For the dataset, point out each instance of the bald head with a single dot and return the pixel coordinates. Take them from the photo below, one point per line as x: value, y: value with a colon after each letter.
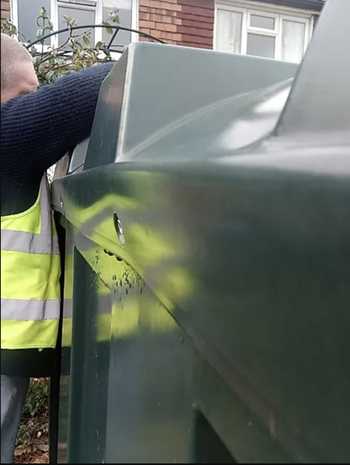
x: 17, y: 71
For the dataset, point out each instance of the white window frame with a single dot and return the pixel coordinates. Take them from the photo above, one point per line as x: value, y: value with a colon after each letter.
x: 54, y: 5
x: 279, y: 13
x: 98, y: 17
x: 135, y: 20
x: 260, y: 31
x: 233, y: 9
x: 307, y: 31
x: 14, y: 12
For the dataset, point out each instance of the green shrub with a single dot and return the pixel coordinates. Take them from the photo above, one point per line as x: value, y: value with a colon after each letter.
x: 34, y: 422
x: 76, y: 53
x: 37, y: 398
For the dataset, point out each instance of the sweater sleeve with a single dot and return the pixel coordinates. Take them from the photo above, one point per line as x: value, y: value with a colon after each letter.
x: 39, y: 128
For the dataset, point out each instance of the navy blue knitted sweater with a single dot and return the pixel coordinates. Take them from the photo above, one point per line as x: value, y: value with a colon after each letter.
x: 39, y: 128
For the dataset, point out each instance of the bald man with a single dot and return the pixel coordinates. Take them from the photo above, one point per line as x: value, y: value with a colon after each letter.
x: 38, y: 126
x: 17, y: 71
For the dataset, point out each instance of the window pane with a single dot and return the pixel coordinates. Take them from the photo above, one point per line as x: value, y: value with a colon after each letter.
x: 125, y: 17
x: 28, y: 10
x: 80, y: 2
x: 262, y: 46
x: 293, y: 36
x: 228, y: 31
x: 262, y: 21
x: 81, y: 15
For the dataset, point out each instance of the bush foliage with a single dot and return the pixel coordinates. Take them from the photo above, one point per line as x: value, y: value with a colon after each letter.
x: 75, y: 53
x: 34, y: 422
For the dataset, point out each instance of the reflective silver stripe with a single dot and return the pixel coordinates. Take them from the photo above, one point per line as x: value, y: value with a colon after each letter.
x: 45, y: 242
x: 67, y: 308
x: 104, y: 304
x: 24, y: 310
x: 18, y: 241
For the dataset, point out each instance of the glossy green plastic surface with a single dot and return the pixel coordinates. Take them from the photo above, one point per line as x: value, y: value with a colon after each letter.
x: 211, y: 260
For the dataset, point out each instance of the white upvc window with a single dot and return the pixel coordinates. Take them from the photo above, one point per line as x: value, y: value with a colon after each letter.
x: 252, y: 28
x: 25, y: 12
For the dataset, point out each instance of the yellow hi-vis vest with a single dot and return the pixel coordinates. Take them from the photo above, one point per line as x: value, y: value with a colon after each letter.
x: 30, y: 271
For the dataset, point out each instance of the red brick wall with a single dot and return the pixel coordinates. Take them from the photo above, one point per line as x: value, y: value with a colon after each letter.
x: 5, y: 8
x: 181, y: 22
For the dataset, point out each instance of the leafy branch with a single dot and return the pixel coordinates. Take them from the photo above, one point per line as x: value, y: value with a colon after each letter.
x: 77, y: 50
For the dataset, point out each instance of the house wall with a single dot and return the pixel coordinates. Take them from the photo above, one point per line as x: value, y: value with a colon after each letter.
x: 5, y: 8
x: 191, y: 22
x: 181, y: 22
